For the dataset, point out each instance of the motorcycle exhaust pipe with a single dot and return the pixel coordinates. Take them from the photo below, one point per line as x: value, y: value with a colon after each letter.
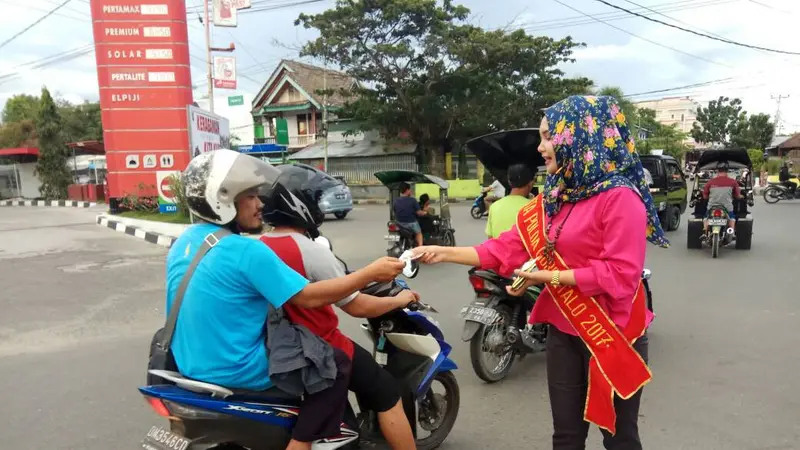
x: 729, y: 230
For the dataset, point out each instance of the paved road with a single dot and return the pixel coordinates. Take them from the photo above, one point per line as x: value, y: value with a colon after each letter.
x: 79, y: 303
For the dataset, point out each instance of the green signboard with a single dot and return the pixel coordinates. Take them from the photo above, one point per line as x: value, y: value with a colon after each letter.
x: 281, y: 132
x: 235, y: 100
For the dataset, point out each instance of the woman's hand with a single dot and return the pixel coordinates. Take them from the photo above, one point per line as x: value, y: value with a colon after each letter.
x: 531, y: 279
x: 430, y: 254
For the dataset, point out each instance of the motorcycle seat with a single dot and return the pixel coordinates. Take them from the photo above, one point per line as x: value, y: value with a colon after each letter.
x: 272, y: 394
x: 216, y: 391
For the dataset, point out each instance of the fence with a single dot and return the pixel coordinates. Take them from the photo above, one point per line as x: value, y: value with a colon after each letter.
x: 361, y: 170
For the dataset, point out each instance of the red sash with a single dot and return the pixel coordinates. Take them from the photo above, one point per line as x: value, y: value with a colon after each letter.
x: 615, y: 367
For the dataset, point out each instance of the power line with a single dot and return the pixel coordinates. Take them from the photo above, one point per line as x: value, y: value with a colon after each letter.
x: 60, y: 14
x: 615, y: 16
x: 770, y: 7
x: 7, y: 41
x: 708, y: 36
x: 678, y: 88
x: 643, y: 38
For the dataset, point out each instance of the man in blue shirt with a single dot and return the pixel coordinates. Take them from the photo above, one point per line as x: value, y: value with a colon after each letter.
x: 220, y: 333
x: 406, y: 211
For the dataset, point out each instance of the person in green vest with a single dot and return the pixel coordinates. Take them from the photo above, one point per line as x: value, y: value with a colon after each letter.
x: 503, y: 212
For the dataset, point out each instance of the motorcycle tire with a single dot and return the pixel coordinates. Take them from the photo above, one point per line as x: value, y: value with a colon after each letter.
x: 744, y: 234
x: 453, y: 398
x: 448, y: 239
x: 476, y: 350
x: 694, y: 234
x: 772, y: 195
x: 714, y: 245
x: 476, y: 212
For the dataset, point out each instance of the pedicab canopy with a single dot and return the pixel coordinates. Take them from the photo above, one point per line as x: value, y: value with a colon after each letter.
x: 498, y: 151
x: 393, y: 178
x: 732, y: 158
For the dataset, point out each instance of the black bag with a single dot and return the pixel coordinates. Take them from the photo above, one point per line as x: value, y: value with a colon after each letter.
x: 160, y: 357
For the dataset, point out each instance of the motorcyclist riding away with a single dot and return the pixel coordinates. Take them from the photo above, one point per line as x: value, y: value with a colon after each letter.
x: 720, y: 192
x: 296, y: 219
x: 785, y: 177
x: 220, y: 333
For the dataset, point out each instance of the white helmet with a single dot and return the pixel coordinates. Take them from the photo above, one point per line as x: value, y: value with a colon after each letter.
x: 212, y: 181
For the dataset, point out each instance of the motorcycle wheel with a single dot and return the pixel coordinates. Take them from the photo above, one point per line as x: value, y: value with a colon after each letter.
x: 448, y: 239
x: 476, y: 212
x: 445, y: 419
x: 772, y: 195
x: 478, y: 349
x: 715, y: 245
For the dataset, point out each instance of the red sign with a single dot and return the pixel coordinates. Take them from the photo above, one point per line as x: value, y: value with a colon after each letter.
x: 132, y: 140
x: 144, y: 98
x: 160, y: 119
x: 137, y: 31
x: 145, y: 83
x: 160, y: 76
x: 138, y: 10
x: 148, y: 161
x: 166, y: 189
x: 140, y: 54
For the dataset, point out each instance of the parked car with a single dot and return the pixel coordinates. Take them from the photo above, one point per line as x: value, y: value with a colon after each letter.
x: 333, y: 195
x: 669, y: 188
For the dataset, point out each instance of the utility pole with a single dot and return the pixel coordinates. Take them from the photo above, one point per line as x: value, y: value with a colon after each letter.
x: 325, y: 115
x: 210, y: 75
x: 210, y: 60
x: 778, y: 123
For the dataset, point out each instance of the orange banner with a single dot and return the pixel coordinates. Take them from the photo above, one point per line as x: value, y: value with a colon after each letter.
x: 615, y: 367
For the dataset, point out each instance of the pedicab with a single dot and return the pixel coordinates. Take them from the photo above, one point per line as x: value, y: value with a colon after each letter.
x: 718, y: 235
x: 436, y: 229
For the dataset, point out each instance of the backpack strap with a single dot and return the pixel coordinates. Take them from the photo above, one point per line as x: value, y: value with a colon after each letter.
x: 209, y: 242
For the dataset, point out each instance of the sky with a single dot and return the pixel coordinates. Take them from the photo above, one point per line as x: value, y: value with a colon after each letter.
x: 632, y: 53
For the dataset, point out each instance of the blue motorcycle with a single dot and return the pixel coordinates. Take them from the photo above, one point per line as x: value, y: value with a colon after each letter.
x: 407, y: 342
x: 478, y: 209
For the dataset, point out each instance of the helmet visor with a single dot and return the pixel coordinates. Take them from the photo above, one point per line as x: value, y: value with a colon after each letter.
x: 249, y: 173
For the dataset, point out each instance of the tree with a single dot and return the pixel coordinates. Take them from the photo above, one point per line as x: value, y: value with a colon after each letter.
x: 719, y: 122
x: 422, y: 70
x: 760, y: 131
x: 18, y: 134
x: 19, y: 108
x: 667, y: 138
x: 51, y: 167
x: 80, y: 122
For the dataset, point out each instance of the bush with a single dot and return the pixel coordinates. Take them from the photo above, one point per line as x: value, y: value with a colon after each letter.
x: 774, y: 166
x: 176, y: 184
x: 757, y: 158
x: 135, y: 203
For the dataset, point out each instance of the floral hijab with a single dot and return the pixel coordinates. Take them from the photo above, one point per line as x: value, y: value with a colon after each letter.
x: 595, y: 152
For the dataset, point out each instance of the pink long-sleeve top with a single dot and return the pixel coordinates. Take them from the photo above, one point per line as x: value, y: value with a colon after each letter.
x: 603, y: 241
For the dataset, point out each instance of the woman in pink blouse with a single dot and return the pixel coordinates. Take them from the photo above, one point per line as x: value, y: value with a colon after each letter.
x: 598, y: 215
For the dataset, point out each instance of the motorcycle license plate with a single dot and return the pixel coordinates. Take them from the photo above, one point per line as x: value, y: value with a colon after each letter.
x: 720, y: 222
x: 479, y: 314
x: 393, y: 238
x: 159, y: 438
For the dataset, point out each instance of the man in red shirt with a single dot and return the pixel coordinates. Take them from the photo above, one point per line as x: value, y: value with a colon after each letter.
x: 720, y: 192
x: 294, y: 226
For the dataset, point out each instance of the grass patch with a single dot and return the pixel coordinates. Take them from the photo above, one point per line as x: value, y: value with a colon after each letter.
x: 156, y: 217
